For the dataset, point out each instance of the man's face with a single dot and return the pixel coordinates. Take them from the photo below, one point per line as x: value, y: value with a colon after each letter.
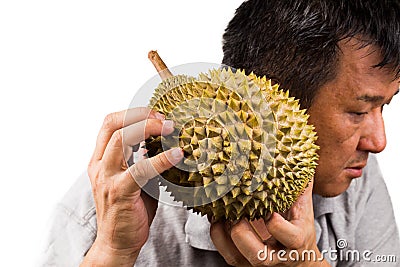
x: 347, y: 114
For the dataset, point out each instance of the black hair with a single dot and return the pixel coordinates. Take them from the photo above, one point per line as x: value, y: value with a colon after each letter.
x: 295, y: 42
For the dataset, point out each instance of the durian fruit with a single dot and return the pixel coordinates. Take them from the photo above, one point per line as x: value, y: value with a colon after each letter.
x: 247, y: 145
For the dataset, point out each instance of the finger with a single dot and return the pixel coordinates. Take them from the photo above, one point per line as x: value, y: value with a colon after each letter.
x: 140, y: 173
x: 306, y: 197
x: 288, y: 234
x: 133, y: 134
x: 117, y: 120
x: 260, y: 229
x: 247, y: 241
x: 303, y: 207
x: 291, y: 232
x: 225, y: 246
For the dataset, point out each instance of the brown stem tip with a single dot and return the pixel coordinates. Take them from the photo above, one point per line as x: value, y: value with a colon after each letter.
x: 159, y: 64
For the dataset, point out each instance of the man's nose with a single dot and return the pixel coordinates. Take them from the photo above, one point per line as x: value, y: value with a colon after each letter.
x: 373, y: 138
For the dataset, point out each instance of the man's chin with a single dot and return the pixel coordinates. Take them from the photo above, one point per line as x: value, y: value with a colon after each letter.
x: 331, y: 190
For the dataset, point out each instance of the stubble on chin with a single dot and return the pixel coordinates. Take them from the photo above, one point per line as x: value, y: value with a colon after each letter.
x: 330, y: 189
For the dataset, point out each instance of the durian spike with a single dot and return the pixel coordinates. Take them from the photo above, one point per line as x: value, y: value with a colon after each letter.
x: 159, y: 64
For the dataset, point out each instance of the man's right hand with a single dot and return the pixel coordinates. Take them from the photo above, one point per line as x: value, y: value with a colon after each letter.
x: 123, y: 214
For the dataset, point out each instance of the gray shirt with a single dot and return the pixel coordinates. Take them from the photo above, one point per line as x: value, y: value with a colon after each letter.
x: 356, y: 228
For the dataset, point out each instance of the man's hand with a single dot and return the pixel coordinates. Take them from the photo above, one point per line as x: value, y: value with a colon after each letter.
x: 240, y: 244
x: 124, y: 213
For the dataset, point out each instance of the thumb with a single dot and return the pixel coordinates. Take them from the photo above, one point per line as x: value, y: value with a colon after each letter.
x: 141, y: 172
x: 304, y: 204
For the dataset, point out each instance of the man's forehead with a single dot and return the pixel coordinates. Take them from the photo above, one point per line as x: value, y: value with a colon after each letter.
x: 357, y: 54
x: 357, y: 81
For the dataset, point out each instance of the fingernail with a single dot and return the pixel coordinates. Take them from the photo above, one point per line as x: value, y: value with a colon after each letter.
x: 176, y: 153
x: 159, y: 116
x: 168, y: 125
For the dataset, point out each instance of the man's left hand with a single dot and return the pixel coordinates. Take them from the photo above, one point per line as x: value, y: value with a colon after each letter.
x: 240, y: 244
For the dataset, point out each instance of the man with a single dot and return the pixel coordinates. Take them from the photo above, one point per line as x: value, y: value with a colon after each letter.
x: 342, y: 60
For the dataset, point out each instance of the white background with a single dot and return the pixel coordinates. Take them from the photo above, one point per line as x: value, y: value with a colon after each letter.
x: 63, y: 66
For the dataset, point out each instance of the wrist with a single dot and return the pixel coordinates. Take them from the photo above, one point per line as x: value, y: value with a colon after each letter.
x: 103, y: 255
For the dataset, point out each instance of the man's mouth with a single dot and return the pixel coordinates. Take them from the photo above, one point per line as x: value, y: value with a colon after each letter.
x: 355, y: 170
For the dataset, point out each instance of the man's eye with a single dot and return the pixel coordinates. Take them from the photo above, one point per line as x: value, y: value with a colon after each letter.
x: 357, y: 117
x: 360, y: 113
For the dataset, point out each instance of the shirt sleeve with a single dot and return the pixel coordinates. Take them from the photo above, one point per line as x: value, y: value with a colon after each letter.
x: 377, y: 236
x: 72, y: 227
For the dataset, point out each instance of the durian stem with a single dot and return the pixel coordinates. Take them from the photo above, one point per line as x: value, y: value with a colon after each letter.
x: 159, y: 64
